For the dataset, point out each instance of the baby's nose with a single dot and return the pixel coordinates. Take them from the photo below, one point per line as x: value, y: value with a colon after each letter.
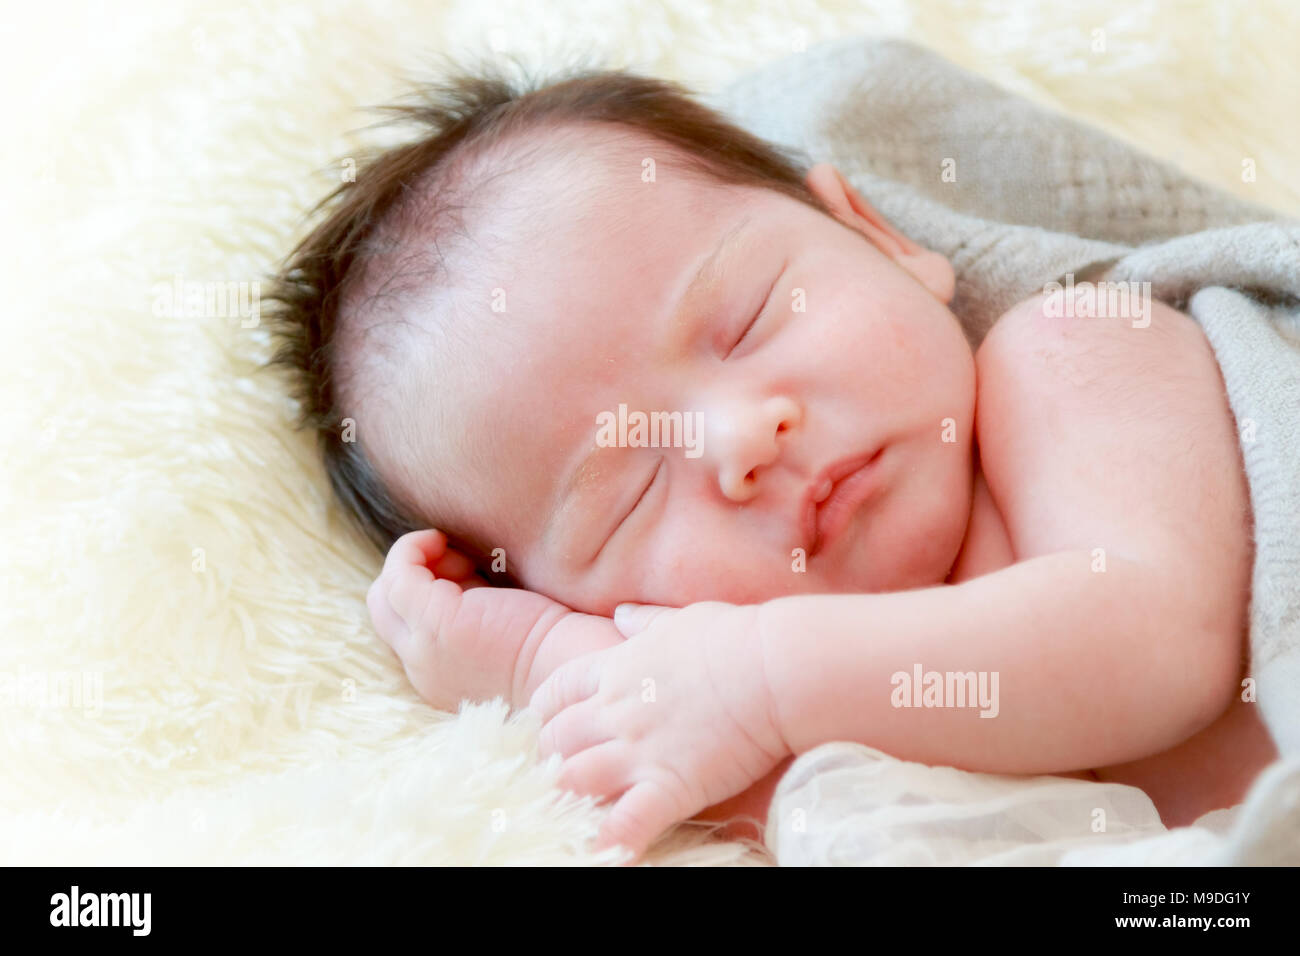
x: 750, y: 439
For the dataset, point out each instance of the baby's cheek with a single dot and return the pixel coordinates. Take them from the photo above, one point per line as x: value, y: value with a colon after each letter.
x: 712, y: 564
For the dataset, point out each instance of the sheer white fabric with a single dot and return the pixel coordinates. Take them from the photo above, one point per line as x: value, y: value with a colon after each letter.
x: 848, y: 804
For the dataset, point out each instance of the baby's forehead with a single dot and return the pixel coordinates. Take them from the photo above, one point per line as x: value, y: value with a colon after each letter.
x: 598, y: 174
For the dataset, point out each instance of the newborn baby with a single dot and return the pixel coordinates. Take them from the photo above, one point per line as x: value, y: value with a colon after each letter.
x: 865, y: 497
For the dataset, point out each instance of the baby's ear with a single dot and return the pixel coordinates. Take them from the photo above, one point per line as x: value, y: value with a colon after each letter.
x: 929, y: 268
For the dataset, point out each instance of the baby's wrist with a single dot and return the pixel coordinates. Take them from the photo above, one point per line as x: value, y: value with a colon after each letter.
x: 570, y: 636
x: 774, y: 619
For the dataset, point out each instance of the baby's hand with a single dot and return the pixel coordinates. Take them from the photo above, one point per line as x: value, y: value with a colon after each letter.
x: 673, y: 720
x: 456, y: 636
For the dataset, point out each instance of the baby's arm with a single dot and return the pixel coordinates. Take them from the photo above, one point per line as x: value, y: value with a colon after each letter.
x: 569, y: 635
x: 1092, y: 668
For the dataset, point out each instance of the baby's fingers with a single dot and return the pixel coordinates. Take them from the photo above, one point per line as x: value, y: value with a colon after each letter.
x: 416, y: 549
x: 639, y: 817
x: 570, y: 684
x: 572, y: 731
x: 454, y: 566
x: 424, y: 606
x: 604, y: 772
x: 387, y: 624
x: 427, y: 551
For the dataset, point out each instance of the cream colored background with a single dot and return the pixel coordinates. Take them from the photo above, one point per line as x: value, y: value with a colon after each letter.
x: 249, y: 714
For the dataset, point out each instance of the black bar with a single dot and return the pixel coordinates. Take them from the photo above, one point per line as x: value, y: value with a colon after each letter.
x: 338, y: 905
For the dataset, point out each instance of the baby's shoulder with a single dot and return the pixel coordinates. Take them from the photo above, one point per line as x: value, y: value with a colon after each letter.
x: 1105, y: 415
x: 1092, y: 333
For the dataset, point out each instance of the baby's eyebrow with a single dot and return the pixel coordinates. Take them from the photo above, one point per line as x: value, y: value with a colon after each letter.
x: 704, y: 280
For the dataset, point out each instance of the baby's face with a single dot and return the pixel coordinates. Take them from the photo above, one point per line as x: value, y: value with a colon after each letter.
x: 786, y: 342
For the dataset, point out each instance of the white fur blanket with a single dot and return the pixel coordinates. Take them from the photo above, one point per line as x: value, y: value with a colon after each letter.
x: 187, y: 669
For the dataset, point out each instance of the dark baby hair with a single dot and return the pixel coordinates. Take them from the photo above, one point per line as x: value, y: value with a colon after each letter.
x: 460, y: 116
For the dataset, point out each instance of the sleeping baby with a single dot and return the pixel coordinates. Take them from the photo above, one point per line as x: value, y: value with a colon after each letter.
x: 678, y: 444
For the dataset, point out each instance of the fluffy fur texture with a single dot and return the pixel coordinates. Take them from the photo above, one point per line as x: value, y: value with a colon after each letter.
x: 248, y: 712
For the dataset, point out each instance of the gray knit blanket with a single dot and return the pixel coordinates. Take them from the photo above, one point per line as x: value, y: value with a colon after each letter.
x: 1016, y: 197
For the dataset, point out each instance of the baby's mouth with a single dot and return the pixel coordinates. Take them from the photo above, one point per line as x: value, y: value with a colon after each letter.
x: 835, y: 497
